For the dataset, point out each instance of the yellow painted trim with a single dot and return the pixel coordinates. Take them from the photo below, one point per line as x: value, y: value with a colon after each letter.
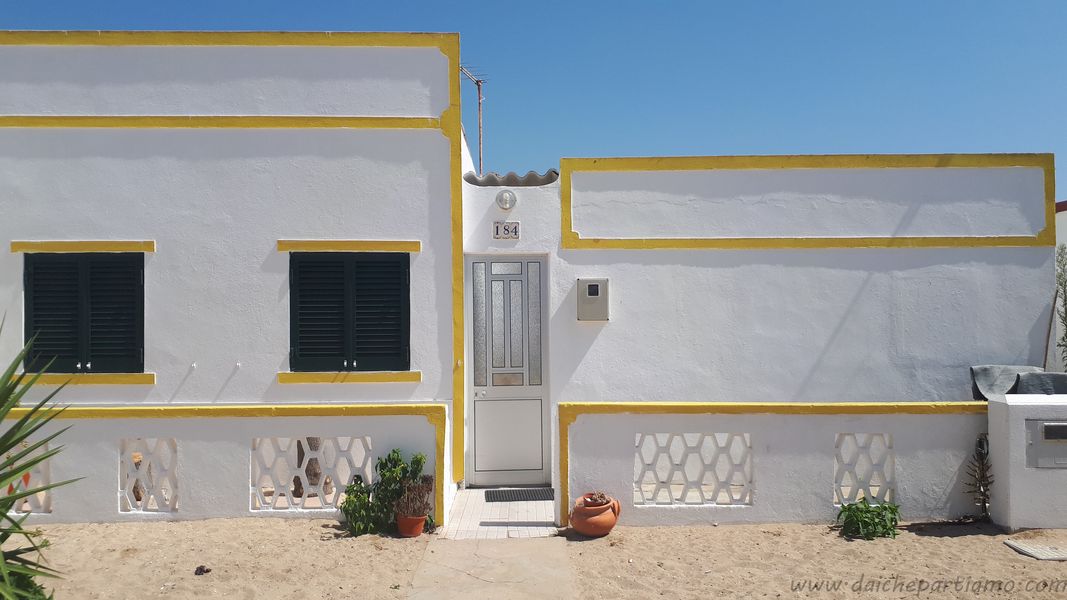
x: 434, y: 413
x: 572, y: 240
x: 96, y: 378
x: 449, y: 124
x: 225, y: 38
x: 349, y: 246
x: 351, y: 377
x: 570, y: 411
x: 84, y: 246
x: 452, y: 128
x: 219, y: 122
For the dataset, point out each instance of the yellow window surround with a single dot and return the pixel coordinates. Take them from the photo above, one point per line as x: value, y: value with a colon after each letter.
x: 83, y: 246
x: 350, y: 377
x: 410, y: 246
x: 94, y: 378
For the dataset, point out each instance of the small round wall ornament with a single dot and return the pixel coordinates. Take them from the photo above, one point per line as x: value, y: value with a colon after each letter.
x: 506, y: 199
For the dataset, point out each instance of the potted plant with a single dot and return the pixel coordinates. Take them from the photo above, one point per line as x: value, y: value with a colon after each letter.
x: 595, y: 514
x: 413, y: 507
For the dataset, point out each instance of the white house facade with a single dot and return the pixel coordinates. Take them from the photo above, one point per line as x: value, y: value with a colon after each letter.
x: 247, y: 251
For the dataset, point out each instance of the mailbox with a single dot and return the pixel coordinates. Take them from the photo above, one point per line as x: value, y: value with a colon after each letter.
x: 593, y: 299
x: 1046, y: 444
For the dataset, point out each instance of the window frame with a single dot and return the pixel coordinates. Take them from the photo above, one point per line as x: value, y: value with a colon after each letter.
x: 349, y: 361
x: 80, y: 363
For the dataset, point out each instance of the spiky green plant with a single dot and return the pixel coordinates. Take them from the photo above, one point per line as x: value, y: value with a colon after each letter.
x: 981, y: 474
x: 1061, y: 304
x: 21, y: 546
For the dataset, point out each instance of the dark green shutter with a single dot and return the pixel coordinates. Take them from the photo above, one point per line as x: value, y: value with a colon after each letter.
x: 349, y: 312
x: 53, y: 314
x: 116, y: 313
x: 380, y: 334
x: 87, y: 311
x: 317, y: 311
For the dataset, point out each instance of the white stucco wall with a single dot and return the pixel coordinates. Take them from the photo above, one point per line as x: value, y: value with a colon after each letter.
x: 813, y: 325
x: 724, y: 203
x: 792, y: 463
x: 1023, y: 497
x: 223, y: 80
x: 213, y: 458
x: 216, y: 201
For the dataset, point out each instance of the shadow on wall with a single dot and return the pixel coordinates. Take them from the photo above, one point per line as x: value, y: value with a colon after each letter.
x: 814, y: 325
x: 580, y: 336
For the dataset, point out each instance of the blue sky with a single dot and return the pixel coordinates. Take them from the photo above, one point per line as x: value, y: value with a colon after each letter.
x: 676, y: 78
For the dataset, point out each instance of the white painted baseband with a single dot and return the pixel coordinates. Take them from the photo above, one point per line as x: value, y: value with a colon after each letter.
x: 214, y: 462
x: 792, y: 463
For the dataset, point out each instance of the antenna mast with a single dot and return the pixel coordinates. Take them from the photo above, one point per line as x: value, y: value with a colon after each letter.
x: 477, y: 84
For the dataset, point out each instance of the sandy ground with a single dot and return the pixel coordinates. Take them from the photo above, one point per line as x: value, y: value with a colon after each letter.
x: 249, y: 558
x: 291, y: 559
x: 765, y: 561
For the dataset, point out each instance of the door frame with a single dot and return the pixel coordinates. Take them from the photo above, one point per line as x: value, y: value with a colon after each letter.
x: 520, y: 477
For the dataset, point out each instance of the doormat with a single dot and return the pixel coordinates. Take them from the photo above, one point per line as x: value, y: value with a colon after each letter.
x: 1038, y: 551
x: 520, y: 495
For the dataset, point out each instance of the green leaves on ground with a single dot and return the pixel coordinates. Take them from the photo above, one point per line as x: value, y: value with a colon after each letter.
x: 864, y: 520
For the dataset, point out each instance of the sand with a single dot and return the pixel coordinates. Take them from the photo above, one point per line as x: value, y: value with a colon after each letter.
x: 249, y: 558
x: 764, y: 561
x: 291, y: 559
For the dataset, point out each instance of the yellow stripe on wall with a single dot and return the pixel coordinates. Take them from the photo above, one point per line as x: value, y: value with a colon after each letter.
x: 226, y: 38
x: 84, y: 246
x: 350, y: 377
x: 571, y: 239
x: 93, y: 378
x: 349, y: 246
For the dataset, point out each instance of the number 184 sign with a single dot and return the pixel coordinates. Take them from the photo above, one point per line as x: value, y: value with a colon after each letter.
x: 505, y: 230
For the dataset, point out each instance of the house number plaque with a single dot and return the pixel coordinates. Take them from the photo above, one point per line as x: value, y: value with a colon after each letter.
x: 505, y: 230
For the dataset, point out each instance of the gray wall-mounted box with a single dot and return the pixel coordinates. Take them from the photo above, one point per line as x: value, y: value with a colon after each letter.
x: 593, y: 299
x: 1046, y: 444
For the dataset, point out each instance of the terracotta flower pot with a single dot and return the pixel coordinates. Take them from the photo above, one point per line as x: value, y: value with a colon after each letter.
x: 410, y: 526
x: 594, y: 521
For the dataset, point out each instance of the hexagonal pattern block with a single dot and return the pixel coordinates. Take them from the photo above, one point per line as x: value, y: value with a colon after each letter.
x: 306, y: 473
x: 39, y: 475
x: 864, y: 467
x: 148, y: 477
x: 693, y: 468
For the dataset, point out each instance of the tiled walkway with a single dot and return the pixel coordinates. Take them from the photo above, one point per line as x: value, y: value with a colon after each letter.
x: 472, y: 518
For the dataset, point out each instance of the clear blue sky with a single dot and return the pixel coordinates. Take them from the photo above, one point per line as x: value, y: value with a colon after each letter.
x: 621, y: 78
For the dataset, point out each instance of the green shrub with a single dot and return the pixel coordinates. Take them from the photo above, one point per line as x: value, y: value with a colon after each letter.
x: 21, y: 549
x: 864, y: 520
x: 371, y: 508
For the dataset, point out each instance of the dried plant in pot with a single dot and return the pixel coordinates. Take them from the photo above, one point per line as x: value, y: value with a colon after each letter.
x: 414, y: 505
x: 594, y: 514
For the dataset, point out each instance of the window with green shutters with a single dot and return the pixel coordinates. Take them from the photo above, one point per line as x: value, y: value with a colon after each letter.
x: 349, y: 311
x: 85, y: 312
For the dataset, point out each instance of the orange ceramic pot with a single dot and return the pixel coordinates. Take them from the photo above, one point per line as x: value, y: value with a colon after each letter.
x: 410, y: 526
x: 594, y: 521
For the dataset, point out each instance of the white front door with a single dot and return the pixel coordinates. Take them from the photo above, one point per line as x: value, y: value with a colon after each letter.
x: 507, y: 371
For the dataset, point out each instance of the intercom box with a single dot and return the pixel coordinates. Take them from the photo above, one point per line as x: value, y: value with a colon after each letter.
x: 593, y: 299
